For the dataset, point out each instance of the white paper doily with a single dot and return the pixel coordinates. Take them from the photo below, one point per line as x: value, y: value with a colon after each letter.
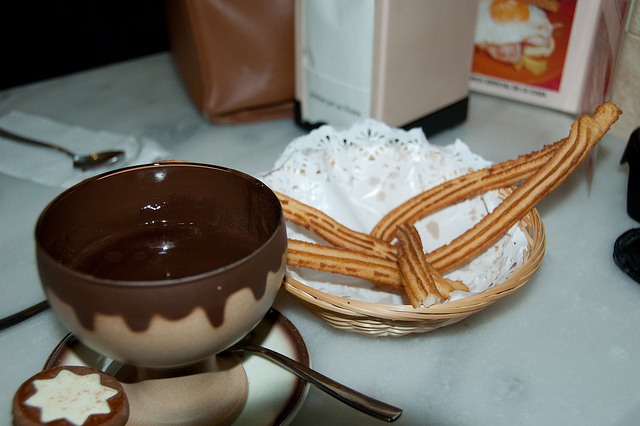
x: 357, y: 175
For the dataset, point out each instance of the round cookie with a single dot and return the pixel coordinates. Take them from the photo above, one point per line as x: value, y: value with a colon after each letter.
x: 71, y: 396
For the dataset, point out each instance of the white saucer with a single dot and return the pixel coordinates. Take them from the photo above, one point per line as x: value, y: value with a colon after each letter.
x: 275, y: 395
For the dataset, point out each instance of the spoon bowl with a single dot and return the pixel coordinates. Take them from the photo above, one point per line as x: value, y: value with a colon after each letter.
x: 84, y: 162
x: 97, y: 159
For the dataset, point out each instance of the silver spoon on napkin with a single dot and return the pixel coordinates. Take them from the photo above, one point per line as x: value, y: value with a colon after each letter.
x: 79, y: 161
x: 366, y: 404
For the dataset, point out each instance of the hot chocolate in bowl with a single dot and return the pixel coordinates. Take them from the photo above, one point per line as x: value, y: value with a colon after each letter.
x: 163, y: 265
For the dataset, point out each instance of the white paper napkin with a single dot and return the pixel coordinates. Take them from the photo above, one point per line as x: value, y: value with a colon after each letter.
x: 52, y: 168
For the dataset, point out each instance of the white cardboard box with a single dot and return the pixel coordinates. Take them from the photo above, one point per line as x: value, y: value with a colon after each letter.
x: 626, y: 83
x: 402, y: 62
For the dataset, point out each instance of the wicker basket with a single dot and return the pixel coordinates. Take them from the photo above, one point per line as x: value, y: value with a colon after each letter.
x: 397, y: 320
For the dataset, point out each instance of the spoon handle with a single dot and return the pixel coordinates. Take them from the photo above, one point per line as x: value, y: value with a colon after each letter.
x: 355, y: 399
x: 17, y: 138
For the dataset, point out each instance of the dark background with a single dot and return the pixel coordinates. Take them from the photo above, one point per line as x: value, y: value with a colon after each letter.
x: 45, y: 39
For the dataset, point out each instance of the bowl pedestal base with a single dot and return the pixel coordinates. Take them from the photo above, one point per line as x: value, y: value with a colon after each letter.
x: 212, y: 392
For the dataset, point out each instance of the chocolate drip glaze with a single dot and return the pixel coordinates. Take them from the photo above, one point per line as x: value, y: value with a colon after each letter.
x: 137, y: 277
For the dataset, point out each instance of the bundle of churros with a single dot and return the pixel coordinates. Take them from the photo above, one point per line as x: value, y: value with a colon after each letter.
x: 392, y: 254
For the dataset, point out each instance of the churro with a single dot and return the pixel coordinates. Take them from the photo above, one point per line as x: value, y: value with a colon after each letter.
x: 585, y: 133
x: 423, y: 284
x: 331, y: 230
x: 345, y: 262
x: 498, y: 176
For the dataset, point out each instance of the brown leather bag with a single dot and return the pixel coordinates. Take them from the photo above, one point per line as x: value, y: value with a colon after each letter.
x: 235, y: 57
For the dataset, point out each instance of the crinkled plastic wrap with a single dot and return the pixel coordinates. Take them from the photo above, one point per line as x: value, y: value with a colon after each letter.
x: 359, y: 174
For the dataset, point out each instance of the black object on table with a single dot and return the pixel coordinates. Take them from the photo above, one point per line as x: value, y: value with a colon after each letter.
x: 626, y: 251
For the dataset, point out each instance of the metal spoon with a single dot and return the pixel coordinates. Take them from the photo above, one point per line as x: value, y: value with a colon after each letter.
x: 79, y: 161
x: 355, y: 399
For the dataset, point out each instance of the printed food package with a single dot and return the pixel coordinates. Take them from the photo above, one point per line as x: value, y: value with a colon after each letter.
x: 559, y: 54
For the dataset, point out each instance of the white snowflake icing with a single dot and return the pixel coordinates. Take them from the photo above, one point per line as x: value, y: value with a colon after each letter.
x: 71, y: 396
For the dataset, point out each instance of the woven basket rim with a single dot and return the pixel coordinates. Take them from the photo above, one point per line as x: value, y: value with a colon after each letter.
x: 532, y: 226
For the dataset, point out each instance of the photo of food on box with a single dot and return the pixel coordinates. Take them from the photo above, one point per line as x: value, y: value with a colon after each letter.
x: 559, y: 54
x: 524, y: 42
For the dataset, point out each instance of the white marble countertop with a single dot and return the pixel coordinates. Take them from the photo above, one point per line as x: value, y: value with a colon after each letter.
x: 563, y: 350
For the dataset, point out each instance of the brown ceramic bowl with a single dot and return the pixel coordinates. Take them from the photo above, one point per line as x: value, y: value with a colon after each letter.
x: 162, y: 265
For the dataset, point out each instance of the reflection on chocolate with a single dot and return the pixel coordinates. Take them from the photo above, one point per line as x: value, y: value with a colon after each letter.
x: 148, y: 205
x: 165, y: 251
